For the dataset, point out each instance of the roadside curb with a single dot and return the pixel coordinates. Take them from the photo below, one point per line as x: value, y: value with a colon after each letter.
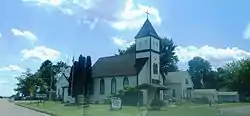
x: 37, y: 110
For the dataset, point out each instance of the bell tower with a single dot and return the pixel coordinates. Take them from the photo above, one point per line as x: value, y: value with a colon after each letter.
x: 148, y: 47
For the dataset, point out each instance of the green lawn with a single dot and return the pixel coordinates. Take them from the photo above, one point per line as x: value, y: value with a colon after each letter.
x: 103, y: 110
x: 93, y: 110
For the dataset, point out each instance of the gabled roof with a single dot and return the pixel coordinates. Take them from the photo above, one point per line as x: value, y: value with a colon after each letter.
x: 147, y: 30
x: 177, y: 77
x: 205, y: 91
x: 117, y: 65
x: 228, y: 93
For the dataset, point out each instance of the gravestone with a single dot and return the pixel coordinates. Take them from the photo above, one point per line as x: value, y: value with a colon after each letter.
x: 116, y: 103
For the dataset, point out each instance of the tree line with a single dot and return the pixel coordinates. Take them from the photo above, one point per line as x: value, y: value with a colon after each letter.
x: 232, y: 76
x: 80, y: 79
x: 45, y: 78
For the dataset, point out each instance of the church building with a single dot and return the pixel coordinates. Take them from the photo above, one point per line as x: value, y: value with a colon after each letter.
x: 140, y: 69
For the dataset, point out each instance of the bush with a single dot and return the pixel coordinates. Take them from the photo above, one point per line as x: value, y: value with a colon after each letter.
x: 107, y: 101
x: 157, y: 104
x: 96, y: 102
x: 202, y: 100
x: 247, y: 99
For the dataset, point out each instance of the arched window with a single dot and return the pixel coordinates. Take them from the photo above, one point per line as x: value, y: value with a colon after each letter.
x: 164, y: 81
x: 173, y: 92
x: 113, y: 85
x: 102, y: 86
x: 187, y: 81
x: 125, y: 81
x: 155, y: 68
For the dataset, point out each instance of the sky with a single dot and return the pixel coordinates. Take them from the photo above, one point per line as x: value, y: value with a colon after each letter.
x: 32, y: 31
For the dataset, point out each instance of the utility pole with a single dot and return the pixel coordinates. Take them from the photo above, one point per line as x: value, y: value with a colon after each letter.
x: 73, y: 61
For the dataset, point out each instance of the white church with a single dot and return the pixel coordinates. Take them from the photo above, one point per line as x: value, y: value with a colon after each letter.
x: 140, y: 69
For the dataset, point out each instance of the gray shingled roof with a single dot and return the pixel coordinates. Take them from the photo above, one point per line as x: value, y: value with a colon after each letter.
x: 147, y: 30
x: 117, y: 66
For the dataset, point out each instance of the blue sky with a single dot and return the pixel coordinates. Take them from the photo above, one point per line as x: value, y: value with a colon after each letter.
x: 34, y: 30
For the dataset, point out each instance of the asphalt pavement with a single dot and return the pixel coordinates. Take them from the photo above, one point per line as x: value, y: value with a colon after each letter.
x: 10, y: 109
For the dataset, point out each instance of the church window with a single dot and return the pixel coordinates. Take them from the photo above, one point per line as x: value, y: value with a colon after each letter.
x: 102, y: 86
x: 187, y: 81
x: 164, y: 81
x: 125, y: 81
x: 155, y: 68
x: 156, y: 44
x: 173, y: 92
x: 113, y: 85
x: 155, y: 81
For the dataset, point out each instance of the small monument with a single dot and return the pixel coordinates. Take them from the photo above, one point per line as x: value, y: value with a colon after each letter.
x: 116, y: 103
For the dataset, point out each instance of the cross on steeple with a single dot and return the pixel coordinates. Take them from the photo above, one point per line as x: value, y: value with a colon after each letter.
x: 147, y: 13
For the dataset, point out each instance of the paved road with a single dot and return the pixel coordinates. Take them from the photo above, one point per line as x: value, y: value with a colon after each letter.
x: 9, y: 109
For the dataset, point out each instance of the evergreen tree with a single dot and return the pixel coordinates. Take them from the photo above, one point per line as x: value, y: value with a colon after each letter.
x: 89, y: 79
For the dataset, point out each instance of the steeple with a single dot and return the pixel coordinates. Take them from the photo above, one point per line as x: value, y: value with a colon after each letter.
x: 147, y: 30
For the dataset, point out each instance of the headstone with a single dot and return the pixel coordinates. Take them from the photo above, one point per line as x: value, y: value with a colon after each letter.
x: 116, y: 103
x: 38, y: 89
x: 41, y: 95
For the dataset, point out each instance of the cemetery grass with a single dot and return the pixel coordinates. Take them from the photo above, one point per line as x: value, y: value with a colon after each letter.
x: 94, y: 110
x: 103, y: 110
x: 202, y: 110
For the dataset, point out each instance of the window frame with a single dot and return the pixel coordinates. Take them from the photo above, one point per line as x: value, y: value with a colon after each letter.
x: 125, y: 79
x: 115, y: 84
x: 102, y: 86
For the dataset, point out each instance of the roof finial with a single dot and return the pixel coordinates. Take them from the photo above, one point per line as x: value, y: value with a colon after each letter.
x: 147, y: 13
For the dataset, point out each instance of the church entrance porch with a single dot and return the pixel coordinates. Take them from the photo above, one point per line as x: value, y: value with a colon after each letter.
x: 151, y: 92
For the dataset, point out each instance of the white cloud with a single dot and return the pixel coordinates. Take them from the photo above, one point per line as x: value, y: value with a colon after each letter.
x: 7, y: 87
x: 41, y: 53
x: 91, y: 23
x: 217, y: 56
x: 80, y: 9
x: 121, y: 42
x: 133, y: 16
x: 1, y: 35
x: 11, y: 68
x: 3, y: 82
x: 246, y: 34
x: 26, y: 34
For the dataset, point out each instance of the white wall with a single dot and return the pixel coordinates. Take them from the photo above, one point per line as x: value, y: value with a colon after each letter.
x: 178, y: 90
x: 107, y: 80
x: 143, y: 55
x: 185, y: 86
x: 62, y: 82
x: 142, y: 43
x: 143, y: 76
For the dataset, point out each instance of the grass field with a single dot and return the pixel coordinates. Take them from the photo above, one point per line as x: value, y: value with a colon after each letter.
x: 103, y: 110
x: 94, y: 110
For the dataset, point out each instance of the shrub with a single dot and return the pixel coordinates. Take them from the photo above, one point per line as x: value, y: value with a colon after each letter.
x: 247, y: 99
x: 202, y: 100
x: 96, y: 102
x: 107, y: 101
x: 157, y: 104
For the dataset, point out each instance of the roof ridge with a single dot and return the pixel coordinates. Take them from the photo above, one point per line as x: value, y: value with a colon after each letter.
x: 117, y: 55
x: 147, y: 29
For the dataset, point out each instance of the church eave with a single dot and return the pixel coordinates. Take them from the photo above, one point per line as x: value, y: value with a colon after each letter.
x: 155, y: 36
x: 107, y: 76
